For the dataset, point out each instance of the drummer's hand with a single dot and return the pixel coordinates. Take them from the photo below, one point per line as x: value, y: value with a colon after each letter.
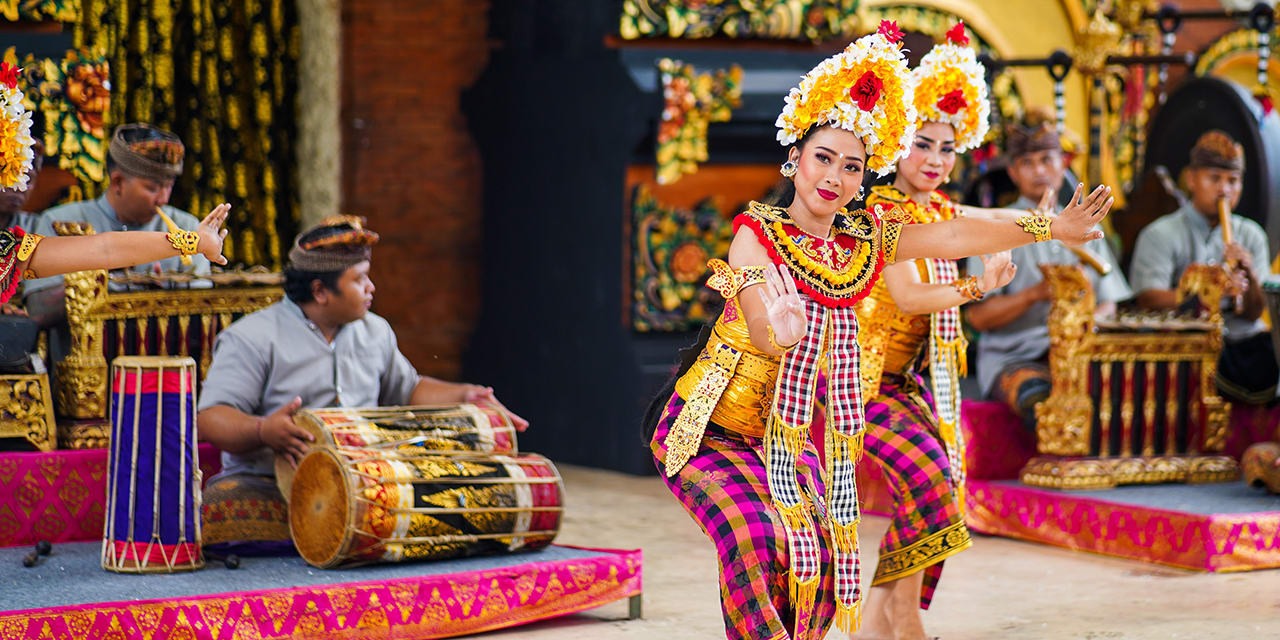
x: 212, y: 234
x: 278, y: 432
x: 485, y: 394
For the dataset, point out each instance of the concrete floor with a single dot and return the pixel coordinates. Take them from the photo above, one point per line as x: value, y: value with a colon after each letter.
x: 998, y: 589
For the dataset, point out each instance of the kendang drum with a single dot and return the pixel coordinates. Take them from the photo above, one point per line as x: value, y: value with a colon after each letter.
x: 153, y: 479
x: 455, y: 427
x: 463, y: 427
x: 360, y: 506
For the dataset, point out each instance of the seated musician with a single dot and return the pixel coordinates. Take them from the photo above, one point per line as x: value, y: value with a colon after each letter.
x: 142, y: 164
x: 319, y: 347
x: 1014, y: 346
x: 1247, y: 369
x: 17, y: 331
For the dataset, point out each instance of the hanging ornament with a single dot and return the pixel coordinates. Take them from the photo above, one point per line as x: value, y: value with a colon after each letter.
x: 1168, y: 20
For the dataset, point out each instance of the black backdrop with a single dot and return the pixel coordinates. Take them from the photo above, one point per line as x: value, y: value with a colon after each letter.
x: 557, y: 120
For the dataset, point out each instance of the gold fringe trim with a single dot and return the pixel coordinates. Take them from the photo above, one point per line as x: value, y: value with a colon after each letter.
x: 947, y: 430
x: 849, y: 617
x: 842, y: 448
x: 804, y: 595
x: 957, y: 349
x: 845, y: 537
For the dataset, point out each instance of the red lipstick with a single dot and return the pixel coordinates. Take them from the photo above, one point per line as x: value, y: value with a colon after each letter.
x: 828, y: 195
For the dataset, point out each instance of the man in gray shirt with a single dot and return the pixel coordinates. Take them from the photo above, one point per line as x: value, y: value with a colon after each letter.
x: 320, y: 347
x: 1247, y: 370
x: 142, y: 164
x: 1014, y: 319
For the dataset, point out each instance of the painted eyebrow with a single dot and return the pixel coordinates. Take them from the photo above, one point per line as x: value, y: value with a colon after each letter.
x: 931, y: 140
x: 837, y: 153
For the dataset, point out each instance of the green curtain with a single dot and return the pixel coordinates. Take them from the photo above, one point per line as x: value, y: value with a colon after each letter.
x: 222, y: 74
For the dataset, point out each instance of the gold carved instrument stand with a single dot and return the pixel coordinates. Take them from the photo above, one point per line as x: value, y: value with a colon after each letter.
x: 1134, y: 399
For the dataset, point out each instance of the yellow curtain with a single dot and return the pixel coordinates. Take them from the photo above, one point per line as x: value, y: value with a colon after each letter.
x: 222, y: 74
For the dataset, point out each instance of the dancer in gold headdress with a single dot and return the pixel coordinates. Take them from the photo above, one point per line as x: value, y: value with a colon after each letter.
x: 731, y: 436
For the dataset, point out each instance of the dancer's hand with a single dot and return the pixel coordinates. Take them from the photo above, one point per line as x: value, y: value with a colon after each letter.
x: 1075, y: 225
x: 783, y: 306
x: 997, y: 270
x: 212, y: 234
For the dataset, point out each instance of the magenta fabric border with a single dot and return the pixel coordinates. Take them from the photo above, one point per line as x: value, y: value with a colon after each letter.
x: 61, y: 496
x: 437, y: 606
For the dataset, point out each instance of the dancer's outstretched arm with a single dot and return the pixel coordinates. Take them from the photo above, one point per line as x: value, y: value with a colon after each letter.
x: 978, y: 235
x: 916, y: 297
x: 117, y: 250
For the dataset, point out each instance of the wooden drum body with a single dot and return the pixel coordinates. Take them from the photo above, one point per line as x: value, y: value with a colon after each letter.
x: 358, y: 506
x: 153, y: 479
x: 457, y: 427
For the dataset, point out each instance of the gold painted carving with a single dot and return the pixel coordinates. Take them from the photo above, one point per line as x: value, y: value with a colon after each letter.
x: 82, y: 375
x: 26, y: 410
x: 1095, y: 473
x: 1076, y: 343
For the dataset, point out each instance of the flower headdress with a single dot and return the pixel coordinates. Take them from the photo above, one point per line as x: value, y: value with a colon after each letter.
x: 16, y: 156
x: 951, y: 87
x: 865, y: 89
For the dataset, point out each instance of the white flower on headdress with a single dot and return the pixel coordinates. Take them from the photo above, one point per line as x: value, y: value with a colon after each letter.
x: 865, y: 89
x: 952, y: 89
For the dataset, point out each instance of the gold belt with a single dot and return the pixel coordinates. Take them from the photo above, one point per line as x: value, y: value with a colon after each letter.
x: 742, y: 399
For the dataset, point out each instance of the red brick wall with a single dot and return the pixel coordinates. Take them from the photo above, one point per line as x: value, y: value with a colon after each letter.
x: 410, y: 165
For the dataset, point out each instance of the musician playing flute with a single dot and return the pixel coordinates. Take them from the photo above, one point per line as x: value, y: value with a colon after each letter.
x: 1013, y: 350
x: 1196, y: 233
x: 319, y: 347
x: 143, y: 162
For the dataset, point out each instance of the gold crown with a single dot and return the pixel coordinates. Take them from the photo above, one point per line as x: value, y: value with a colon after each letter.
x: 951, y: 88
x: 866, y: 89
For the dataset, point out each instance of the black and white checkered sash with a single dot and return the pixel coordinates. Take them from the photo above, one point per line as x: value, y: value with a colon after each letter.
x: 832, y: 331
x: 946, y: 366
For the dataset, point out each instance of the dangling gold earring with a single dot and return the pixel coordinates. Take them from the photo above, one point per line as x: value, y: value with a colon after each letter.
x: 947, y: 180
x: 861, y: 192
x: 788, y: 169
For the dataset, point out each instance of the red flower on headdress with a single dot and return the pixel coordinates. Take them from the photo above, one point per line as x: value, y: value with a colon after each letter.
x: 9, y: 75
x: 952, y: 102
x: 956, y: 35
x: 889, y: 29
x: 866, y: 91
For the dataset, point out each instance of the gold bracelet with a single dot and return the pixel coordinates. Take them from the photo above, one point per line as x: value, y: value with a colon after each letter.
x: 186, y: 242
x: 173, y: 228
x: 774, y: 343
x: 968, y: 287
x: 1035, y: 224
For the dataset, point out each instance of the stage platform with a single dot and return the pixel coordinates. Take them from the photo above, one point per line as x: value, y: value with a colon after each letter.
x: 69, y: 595
x: 1206, y: 527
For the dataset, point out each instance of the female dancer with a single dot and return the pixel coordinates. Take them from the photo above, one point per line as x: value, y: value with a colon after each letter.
x: 912, y: 429
x: 732, y: 439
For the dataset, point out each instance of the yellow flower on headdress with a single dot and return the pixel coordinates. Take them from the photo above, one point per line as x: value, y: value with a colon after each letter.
x: 865, y: 89
x: 951, y: 87
x: 16, y: 156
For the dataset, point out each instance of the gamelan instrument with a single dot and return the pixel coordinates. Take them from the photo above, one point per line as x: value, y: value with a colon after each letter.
x: 455, y: 427
x: 352, y: 506
x: 1133, y: 397
x: 153, y: 476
